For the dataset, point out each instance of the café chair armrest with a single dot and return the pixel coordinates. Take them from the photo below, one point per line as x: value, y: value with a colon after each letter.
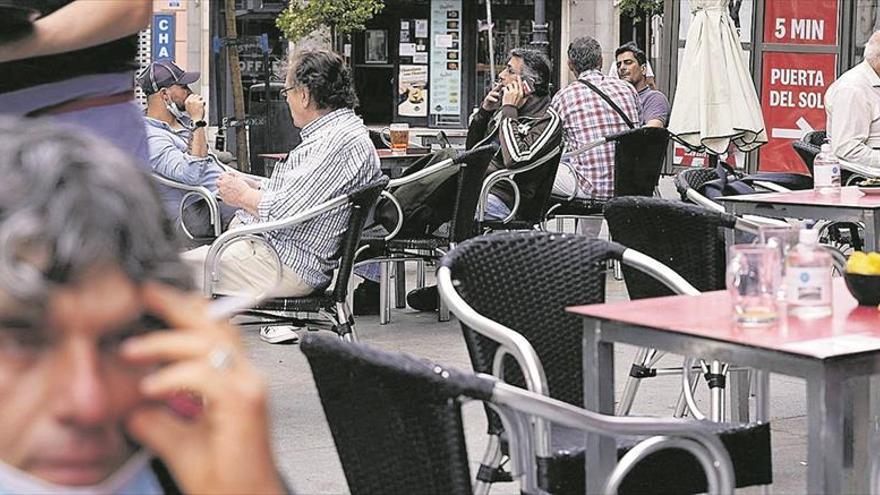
x: 193, y: 191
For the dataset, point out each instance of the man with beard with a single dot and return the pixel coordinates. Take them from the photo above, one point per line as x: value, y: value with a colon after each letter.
x: 177, y: 143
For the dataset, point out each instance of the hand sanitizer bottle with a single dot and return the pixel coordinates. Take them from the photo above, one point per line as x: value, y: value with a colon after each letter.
x: 808, y: 278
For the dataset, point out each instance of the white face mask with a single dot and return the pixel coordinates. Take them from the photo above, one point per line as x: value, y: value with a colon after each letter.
x: 178, y: 114
x: 135, y: 476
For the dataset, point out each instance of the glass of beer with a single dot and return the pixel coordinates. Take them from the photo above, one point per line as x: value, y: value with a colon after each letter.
x: 752, y: 280
x: 399, y: 137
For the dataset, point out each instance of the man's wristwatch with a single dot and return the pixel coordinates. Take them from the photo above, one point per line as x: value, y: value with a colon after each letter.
x: 200, y: 123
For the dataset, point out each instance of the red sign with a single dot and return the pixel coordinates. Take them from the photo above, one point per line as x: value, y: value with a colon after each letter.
x: 801, y: 22
x: 792, y: 100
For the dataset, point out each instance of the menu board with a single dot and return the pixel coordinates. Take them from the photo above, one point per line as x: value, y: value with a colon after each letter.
x: 445, y: 96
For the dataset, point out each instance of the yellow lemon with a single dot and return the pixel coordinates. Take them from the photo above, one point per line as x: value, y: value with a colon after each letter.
x: 860, y: 263
x: 874, y: 262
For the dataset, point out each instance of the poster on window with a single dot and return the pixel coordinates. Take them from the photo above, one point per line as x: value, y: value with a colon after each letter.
x: 445, y: 57
x: 412, y: 92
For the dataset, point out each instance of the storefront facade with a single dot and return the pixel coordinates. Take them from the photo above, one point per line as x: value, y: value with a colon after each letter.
x: 795, y: 49
x: 426, y: 62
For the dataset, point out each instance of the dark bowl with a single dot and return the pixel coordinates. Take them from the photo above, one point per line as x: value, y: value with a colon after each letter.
x: 865, y: 288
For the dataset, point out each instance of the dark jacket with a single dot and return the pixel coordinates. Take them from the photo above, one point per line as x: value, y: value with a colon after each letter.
x: 524, y: 135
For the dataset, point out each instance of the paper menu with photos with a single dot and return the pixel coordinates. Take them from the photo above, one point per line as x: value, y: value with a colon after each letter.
x: 445, y: 96
x: 412, y: 91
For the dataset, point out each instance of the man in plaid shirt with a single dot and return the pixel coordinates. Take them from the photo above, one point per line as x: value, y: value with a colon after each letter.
x: 587, y: 117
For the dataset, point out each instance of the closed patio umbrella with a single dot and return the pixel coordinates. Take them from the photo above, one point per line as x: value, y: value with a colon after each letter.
x: 715, y: 102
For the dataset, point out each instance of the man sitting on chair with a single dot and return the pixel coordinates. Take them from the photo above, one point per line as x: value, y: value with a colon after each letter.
x: 516, y: 115
x: 335, y: 158
x: 588, y: 116
x: 177, y: 145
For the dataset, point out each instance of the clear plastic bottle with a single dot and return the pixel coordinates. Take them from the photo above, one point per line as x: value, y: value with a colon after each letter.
x: 826, y: 171
x: 808, y: 278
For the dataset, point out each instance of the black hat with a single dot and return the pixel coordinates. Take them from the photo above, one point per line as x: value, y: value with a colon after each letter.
x: 164, y: 73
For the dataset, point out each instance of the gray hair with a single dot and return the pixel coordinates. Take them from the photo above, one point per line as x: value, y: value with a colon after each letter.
x: 872, y: 49
x: 536, y: 66
x: 585, y: 54
x: 69, y: 203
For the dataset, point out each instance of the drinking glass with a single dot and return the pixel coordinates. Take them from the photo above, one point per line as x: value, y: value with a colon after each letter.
x: 753, y: 282
x: 784, y: 239
x: 399, y: 137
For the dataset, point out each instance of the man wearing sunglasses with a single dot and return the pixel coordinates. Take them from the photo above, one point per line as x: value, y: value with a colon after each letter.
x: 177, y: 143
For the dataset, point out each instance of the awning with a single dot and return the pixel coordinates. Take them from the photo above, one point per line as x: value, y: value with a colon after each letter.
x: 715, y: 102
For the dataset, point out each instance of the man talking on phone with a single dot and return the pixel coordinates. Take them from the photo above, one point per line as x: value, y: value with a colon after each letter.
x: 114, y: 378
x: 515, y: 114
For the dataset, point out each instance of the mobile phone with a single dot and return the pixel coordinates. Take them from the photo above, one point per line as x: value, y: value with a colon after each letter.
x: 528, y: 85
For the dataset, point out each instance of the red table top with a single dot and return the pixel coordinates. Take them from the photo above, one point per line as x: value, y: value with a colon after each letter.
x: 852, y: 329
x: 849, y: 197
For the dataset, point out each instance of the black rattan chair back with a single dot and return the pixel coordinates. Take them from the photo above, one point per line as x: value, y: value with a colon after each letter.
x: 684, y: 237
x: 525, y: 280
x: 639, y: 156
x: 693, y: 178
x: 532, y: 211
x: 362, y: 202
x: 395, y: 419
x: 809, y: 146
x: 469, y: 182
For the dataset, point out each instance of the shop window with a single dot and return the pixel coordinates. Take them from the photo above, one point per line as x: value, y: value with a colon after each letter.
x: 513, y: 29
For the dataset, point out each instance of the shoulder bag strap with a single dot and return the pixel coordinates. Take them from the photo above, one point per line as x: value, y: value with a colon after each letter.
x: 608, y: 101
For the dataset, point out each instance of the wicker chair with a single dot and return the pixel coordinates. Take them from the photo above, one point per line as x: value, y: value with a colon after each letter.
x: 331, y: 305
x: 510, y: 291
x: 396, y: 421
x: 397, y: 247
x: 523, y: 216
x: 687, y: 238
x: 809, y: 146
x: 639, y: 155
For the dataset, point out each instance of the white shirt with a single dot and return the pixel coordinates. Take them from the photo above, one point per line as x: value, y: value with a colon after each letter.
x: 335, y: 157
x: 852, y: 106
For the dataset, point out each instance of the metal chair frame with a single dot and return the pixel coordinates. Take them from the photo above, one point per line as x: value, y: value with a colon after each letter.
x: 508, y: 175
x: 341, y: 321
x: 200, y: 192
x: 525, y: 414
x: 392, y: 262
x: 514, y: 344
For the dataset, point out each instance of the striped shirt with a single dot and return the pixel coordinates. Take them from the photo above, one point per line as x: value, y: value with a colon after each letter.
x: 336, y: 157
x: 587, y: 117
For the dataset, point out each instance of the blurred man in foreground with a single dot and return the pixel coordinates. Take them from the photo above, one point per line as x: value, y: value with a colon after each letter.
x: 99, y: 338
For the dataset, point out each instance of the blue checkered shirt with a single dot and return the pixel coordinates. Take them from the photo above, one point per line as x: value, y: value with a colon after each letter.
x: 335, y: 157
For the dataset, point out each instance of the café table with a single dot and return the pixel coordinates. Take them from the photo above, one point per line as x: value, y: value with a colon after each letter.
x: 834, y: 355
x: 850, y: 205
x: 392, y: 164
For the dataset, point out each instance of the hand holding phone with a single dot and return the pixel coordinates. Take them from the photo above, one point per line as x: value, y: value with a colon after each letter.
x: 206, y: 405
x: 514, y: 93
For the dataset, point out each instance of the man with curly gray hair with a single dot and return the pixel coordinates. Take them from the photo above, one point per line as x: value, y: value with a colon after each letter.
x: 336, y: 157
x: 90, y: 372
